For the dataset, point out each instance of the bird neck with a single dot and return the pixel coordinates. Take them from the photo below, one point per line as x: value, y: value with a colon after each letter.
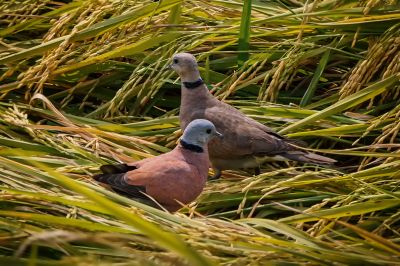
x: 192, y: 84
x: 191, y: 80
x: 192, y: 100
x: 191, y: 147
x: 191, y: 75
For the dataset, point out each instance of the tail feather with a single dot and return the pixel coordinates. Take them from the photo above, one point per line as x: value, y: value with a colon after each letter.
x: 308, y: 157
x: 118, y: 183
x: 111, y: 179
x: 117, y: 168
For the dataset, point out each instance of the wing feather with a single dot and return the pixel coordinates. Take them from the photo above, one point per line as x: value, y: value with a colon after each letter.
x: 242, y: 135
x: 118, y: 183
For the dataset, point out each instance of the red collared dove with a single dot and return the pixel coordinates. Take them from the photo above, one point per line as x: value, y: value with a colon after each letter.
x: 178, y: 176
x: 246, y: 142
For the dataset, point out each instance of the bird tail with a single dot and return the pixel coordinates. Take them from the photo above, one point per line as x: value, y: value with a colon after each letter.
x: 113, y: 174
x: 117, y: 168
x: 308, y: 157
x: 111, y: 179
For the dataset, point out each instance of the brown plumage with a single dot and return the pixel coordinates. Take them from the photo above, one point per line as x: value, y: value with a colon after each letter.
x: 246, y: 143
x: 177, y: 176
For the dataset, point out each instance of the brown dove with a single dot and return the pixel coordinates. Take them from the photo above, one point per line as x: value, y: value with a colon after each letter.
x: 178, y: 176
x: 246, y: 143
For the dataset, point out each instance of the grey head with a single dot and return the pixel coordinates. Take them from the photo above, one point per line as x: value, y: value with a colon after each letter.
x: 185, y: 65
x: 199, y: 132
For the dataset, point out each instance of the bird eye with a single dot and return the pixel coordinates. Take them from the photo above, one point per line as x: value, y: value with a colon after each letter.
x: 176, y: 61
x: 208, y: 131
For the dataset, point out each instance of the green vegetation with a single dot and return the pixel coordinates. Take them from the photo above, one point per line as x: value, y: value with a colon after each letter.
x: 84, y: 83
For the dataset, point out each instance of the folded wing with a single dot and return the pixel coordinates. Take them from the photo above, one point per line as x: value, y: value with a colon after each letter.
x: 114, y: 176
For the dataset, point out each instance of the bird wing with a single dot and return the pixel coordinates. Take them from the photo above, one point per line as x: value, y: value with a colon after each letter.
x: 242, y: 135
x: 114, y: 176
x: 224, y: 107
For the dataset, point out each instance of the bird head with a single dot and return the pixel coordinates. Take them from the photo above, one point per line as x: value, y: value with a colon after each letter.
x: 184, y: 64
x: 199, y: 132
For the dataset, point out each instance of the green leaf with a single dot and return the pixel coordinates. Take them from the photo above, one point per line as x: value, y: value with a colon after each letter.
x: 346, y: 103
x: 29, y: 23
x: 126, y: 50
x: 344, y: 211
x: 94, y: 30
x: 317, y: 75
x: 68, y: 222
x: 165, y: 239
x: 285, y: 229
x: 244, y: 33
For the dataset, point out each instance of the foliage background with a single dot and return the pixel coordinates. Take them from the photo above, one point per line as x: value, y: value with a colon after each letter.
x: 84, y: 83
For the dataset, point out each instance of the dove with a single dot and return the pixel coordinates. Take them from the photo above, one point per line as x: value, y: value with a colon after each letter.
x: 246, y: 143
x: 171, y: 179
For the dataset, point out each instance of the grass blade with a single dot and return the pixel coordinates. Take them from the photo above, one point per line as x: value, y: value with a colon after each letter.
x: 244, y: 33
x: 350, y: 101
x: 313, y: 84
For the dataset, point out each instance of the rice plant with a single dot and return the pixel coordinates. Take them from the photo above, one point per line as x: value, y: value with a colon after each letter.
x: 85, y: 83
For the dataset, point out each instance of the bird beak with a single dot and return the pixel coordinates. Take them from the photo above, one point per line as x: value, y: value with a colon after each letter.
x: 219, y: 135
x: 169, y: 66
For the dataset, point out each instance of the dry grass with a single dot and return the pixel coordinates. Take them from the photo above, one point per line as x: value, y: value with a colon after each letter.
x: 84, y: 83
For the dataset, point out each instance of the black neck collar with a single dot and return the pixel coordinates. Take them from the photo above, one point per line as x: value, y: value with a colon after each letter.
x: 194, y: 84
x: 191, y: 147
